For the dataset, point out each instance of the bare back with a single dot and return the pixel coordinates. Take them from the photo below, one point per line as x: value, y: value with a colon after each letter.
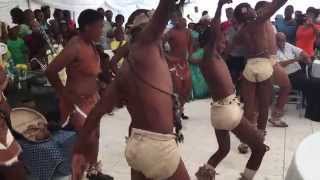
x: 258, y: 36
x: 218, y: 77
x: 255, y: 38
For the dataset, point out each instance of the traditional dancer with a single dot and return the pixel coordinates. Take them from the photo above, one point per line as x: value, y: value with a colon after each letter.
x: 145, y: 86
x: 11, y: 168
x: 256, y: 88
x: 280, y: 76
x: 81, y: 93
x: 226, y: 113
x: 180, y: 41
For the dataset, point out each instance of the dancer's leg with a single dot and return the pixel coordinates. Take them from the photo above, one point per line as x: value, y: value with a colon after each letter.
x: 248, y: 93
x: 264, y: 94
x: 223, y: 138
x: 282, y: 80
x: 254, y: 138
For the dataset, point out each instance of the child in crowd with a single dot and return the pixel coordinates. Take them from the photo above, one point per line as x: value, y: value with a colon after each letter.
x: 17, y: 47
x: 118, y: 33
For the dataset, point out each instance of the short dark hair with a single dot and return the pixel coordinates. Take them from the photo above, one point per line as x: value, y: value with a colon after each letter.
x: 238, y: 15
x: 37, y: 11
x: 205, y: 13
x: 100, y: 9
x: 88, y: 17
x: 312, y: 10
x: 18, y: 14
x: 57, y: 12
x: 290, y: 6
x: 66, y: 14
x: 119, y: 17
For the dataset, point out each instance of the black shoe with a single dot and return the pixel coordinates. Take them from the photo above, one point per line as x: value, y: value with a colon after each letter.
x: 99, y: 176
x: 184, y: 117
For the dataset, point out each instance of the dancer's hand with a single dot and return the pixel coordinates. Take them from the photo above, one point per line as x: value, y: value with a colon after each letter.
x: 223, y: 2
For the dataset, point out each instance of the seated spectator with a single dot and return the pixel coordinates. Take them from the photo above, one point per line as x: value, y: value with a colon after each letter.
x: 17, y: 47
x: 11, y: 168
x: 18, y: 18
x: 290, y: 57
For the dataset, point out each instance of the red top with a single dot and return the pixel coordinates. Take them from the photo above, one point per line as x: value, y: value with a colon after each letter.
x: 226, y: 25
x: 72, y: 25
x: 305, y: 39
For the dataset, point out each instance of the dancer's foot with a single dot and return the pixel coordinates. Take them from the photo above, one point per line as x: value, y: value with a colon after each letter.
x: 278, y: 123
x: 243, y: 148
x: 184, y: 117
x: 99, y: 176
x: 94, y: 173
x: 206, y: 172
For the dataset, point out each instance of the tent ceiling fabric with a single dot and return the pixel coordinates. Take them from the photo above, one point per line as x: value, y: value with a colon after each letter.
x: 73, y: 5
x: 124, y: 7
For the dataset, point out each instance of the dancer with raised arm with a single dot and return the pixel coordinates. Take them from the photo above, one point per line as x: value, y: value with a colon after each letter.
x: 254, y: 35
x: 144, y: 85
x: 226, y: 112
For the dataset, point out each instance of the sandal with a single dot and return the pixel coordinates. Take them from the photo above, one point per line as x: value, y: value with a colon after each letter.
x: 206, y: 172
x: 278, y: 123
x: 242, y: 177
x: 94, y: 173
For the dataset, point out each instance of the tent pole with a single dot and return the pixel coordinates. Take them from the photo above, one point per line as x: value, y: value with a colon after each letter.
x: 29, y: 4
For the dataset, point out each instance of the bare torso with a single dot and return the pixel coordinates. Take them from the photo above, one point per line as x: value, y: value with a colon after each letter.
x: 217, y: 75
x: 149, y: 108
x: 82, y: 73
x: 272, y: 38
x: 255, y: 37
x: 179, y: 41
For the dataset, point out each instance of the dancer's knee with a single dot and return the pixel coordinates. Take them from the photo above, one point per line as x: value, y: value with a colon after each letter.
x: 223, y: 151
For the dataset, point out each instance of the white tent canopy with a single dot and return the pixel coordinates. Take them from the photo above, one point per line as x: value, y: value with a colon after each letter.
x: 125, y: 7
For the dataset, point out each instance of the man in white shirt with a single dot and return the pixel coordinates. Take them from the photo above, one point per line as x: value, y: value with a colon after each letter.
x: 290, y: 58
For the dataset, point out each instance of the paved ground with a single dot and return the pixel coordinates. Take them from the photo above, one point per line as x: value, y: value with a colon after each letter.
x: 200, y: 143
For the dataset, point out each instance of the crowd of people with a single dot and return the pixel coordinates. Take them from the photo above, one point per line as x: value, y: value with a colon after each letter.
x: 158, y: 62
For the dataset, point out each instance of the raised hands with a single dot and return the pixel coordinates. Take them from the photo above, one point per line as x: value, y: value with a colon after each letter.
x: 223, y: 2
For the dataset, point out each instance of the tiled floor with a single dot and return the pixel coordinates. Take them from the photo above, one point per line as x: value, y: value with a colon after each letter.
x: 200, y: 143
